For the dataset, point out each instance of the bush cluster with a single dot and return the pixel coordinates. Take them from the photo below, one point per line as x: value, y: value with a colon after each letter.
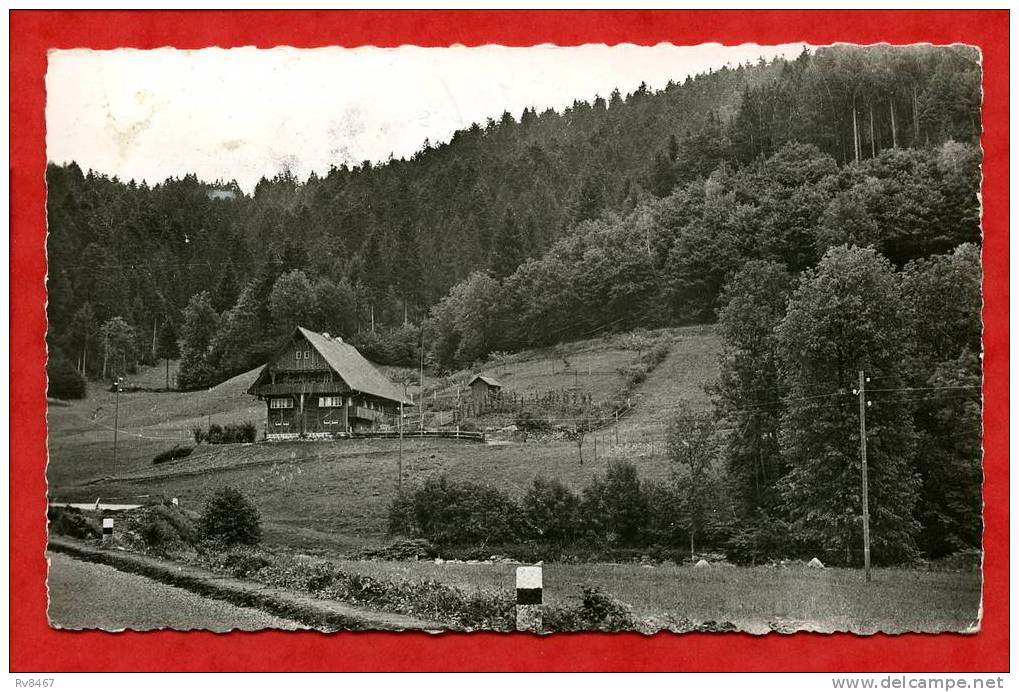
x: 635, y: 373
x: 528, y: 421
x: 449, y: 512
x: 166, y: 527
x: 72, y: 522
x: 427, y: 599
x: 230, y: 518
x: 597, y: 611
x: 614, y: 512
x: 231, y: 433
x: 175, y: 452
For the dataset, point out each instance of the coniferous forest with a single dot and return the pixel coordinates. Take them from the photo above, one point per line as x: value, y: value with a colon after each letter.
x: 824, y: 211
x: 620, y: 212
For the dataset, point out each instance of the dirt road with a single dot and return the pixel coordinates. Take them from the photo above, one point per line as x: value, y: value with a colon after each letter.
x: 85, y: 595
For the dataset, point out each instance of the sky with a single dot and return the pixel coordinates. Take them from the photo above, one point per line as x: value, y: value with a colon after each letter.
x: 244, y: 113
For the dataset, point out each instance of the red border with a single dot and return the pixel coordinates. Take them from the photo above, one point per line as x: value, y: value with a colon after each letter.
x: 35, y: 647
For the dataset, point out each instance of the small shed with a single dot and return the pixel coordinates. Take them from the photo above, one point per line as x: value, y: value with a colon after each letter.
x: 483, y: 387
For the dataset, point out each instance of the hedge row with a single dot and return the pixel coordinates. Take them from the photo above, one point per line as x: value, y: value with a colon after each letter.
x: 175, y: 452
x: 615, y: 510
x: 231, y: 433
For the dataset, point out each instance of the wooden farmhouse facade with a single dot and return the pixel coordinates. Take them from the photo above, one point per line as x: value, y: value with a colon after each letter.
x: 319, y: 386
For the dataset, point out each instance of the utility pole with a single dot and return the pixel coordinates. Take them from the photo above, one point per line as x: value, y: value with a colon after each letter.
x: 421, y: 382
x: 399, y: 484
x: 116, y: 420
x: 863, y: 462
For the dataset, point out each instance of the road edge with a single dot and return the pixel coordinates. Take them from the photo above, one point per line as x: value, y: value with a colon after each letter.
x: 319, y: 614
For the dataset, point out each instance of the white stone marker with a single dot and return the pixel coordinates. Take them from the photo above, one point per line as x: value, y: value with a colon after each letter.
x: 529, y: 598
x: 107, y: 528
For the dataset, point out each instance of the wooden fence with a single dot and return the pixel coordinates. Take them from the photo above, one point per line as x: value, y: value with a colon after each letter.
x: 444, y: 434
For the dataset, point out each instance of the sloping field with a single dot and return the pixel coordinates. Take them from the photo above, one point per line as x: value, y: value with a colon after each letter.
x: 156, y: 414
x: 677, y: 384
x: 335, y: 495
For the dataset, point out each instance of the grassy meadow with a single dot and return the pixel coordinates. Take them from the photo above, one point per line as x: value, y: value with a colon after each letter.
x: 335, y: 495
x: 756, y: 599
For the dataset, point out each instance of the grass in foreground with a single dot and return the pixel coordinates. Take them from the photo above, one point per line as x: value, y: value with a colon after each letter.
x: 756, y: 599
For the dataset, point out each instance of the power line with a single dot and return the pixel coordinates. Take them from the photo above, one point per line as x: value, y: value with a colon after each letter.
x: 925, y: 389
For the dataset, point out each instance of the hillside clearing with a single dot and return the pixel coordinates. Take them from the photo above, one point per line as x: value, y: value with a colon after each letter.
x: 335, y: 495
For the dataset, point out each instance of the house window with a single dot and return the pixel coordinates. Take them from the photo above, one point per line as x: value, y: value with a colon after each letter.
x: 285, y: 402
x: 330, y: 401
x: 307, y: 355
x: 298, y: 355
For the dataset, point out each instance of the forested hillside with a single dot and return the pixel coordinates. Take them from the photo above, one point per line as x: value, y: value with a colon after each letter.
x: 619, y: 212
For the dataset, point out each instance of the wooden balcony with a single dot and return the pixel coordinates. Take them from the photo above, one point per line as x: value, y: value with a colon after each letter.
x: 296, y: 388
x: 362, y: 413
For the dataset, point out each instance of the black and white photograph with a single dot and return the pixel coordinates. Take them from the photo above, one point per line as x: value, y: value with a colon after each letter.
x: 542, y: 339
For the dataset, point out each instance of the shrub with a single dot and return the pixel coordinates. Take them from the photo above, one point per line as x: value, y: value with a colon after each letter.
x: 602, y: 611
x: 966, y: 560
x: 614, y: 506
x: 64, y: 381
x: 157, y: 534
x: 229, y: 517
x: 175, y: 452
x: 243, y: 562
x: 633, y: 375
x: 70, y: 521
x: 551, y: 510
x: 665, y: 524
x: 165, y: 527
x: 181, y: 522
x: 231, y: 433
x: 450, y: 512
x: 597, y: 611
x: 758, y: 540
x: 529, y: 422
x: 235, y: 433
x: 407, y: 549
x: 656, y: 355
x: 401, y: 516
x: 214, y: 435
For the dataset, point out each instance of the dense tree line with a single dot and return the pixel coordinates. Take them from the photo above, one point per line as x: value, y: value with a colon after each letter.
x: 787, y: 395
x: 667, y: 260
x: 619, y: 212
x: 615, y: 510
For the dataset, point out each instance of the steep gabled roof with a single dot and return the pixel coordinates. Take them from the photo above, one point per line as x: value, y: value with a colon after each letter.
x: 359, y: 374
x: 356, y: 371
x: 490, y: 381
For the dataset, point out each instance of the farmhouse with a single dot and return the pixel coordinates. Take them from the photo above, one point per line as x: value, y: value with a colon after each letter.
x: 317, y: 385
x: 482, y: 387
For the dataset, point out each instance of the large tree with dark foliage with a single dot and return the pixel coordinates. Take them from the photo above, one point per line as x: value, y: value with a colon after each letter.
x: 943, y: 299
x: 844, y: 317
x: 197, y: 332
x: 748, y: 393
